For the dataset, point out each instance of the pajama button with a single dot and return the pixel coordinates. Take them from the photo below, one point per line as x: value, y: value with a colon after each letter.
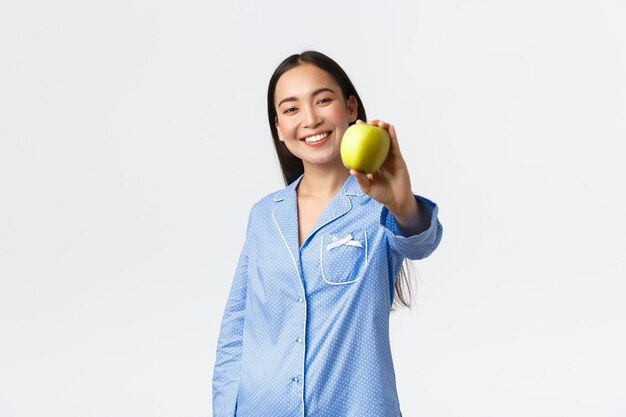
x: 299, y: 340
x: 300, y: 300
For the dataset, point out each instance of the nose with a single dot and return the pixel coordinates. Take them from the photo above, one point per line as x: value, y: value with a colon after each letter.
x: 311, y: 117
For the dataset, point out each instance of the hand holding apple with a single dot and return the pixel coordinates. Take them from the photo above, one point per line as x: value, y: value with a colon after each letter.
x: 390, y: 184
x: 364, y: 147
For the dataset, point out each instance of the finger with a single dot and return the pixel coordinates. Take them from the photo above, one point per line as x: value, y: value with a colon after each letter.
x: 379, y: 123
x: 359, y: 122
x: 394, y: 160
x: 362, y: 179
x: 394, y: 146
x: 383, y: 124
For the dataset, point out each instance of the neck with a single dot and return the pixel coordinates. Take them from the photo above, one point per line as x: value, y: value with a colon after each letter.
x: 323, y: 181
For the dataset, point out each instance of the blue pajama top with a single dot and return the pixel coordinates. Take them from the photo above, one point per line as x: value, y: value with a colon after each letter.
x: 305, y: 331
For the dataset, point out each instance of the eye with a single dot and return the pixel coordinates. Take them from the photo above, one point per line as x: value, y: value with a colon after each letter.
x: 324, y: 100
x: 289, y: 110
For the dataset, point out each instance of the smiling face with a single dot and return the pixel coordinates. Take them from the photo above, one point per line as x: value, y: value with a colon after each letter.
x: 312, y: 114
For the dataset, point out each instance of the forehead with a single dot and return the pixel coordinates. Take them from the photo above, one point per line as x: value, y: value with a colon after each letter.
x: 302, y: 80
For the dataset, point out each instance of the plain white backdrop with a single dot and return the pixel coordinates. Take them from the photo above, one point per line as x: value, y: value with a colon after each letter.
x: 134, y: 140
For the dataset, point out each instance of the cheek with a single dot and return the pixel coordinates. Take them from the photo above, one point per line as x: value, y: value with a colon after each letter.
x: 339, y: 116
x: 286, y: 128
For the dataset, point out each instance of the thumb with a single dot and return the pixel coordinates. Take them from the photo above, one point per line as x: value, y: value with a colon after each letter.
x: 365, y: 183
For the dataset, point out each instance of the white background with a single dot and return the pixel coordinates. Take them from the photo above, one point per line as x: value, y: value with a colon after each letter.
x: 134, y: 140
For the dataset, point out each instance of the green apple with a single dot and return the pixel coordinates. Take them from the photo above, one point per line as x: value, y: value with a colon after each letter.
x: 364, y: 147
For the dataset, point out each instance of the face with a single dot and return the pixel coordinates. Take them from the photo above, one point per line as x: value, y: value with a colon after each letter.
x: 312, y: 114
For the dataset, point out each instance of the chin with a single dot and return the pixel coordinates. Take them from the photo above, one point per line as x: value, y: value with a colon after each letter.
x: 330, y: 161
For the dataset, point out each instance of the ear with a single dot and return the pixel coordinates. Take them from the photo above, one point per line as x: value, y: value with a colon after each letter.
x: 353, y: 109
x: 280, y: 133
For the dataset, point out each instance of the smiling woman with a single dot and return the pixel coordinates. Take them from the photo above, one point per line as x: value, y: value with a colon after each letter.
x: 306, y: 327
x: 291, y: 165
x: 312, y: 115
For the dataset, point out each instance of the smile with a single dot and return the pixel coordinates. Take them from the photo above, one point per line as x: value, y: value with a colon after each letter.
x: 316, y: 138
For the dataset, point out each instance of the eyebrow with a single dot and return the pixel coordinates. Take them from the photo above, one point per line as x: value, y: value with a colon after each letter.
x: 313, y: 94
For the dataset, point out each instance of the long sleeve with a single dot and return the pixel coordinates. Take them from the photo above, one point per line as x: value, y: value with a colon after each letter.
x: 418, y: 246
x: 226, y: 373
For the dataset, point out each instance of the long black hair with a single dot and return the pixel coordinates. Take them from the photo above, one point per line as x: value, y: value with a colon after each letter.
x: 291, y: 165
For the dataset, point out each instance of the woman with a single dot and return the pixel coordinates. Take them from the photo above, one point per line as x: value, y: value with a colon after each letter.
x: 306, y: 326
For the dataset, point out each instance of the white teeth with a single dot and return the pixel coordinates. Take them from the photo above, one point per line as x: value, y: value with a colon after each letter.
x: 316, y: 138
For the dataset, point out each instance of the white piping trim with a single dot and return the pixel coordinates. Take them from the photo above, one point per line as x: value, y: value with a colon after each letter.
x: 287, y: 245
x: 305, y: 309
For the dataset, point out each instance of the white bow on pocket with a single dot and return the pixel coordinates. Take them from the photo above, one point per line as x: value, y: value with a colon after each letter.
x: 345, y: 241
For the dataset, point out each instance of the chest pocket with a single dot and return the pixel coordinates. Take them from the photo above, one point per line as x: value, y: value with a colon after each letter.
x: 343, y: 257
